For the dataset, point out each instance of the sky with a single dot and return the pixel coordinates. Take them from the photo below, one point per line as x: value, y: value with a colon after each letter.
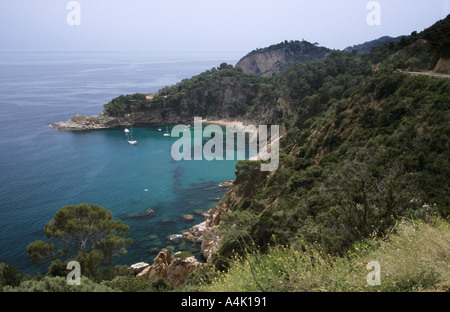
x: 206, y: 25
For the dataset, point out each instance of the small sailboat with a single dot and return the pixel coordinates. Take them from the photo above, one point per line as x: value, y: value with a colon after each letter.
x: 130, y: 138
x: 167, y: 132
x: 126, y: 130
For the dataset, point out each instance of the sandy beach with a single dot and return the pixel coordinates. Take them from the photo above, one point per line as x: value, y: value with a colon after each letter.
x: 224, y: 122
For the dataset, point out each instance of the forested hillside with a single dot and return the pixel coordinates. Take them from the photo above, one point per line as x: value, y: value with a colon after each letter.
x: 365, y: 146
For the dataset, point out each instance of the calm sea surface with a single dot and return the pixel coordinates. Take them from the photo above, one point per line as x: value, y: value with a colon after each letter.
x: 42, y: 169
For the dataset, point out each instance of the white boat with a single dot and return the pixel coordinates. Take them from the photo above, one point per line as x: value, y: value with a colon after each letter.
x: 130, y: 138
x: 126, y: 131
x: 167, y: 132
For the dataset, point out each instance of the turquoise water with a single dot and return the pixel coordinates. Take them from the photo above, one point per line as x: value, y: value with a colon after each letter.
x: 42, y: 169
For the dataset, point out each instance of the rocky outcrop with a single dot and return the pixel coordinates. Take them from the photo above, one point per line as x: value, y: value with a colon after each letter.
x: 103, y: 121
x: 263, y: 64
x: 174, y: 270
x: 180, y: 269
x: 205, y: 232
x: 96, y: 122
x: 139, y: 267
x: 443, y: 66
x: 159, y: 267
x: 270, y: 61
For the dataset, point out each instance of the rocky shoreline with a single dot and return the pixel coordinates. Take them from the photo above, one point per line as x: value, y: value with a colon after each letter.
x: 96, y: 122
x: 176, y: 270
x: 103, y: 121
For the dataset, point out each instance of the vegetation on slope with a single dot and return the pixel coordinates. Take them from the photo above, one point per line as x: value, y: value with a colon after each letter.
x: 369, y: 45
x: 365, y: 146
x: 413, y: 256
x: 376, y: 152
x: 300, y: 51
x: 82, y: 233
x: 223, y: 92
x: 227, y: 92
x: 419, y: 51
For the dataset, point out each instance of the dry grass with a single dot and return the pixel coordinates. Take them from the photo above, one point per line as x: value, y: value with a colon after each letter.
x: 414, y: 257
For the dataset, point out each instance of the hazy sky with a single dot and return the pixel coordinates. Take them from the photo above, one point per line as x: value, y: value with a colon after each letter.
x: 235, y: 25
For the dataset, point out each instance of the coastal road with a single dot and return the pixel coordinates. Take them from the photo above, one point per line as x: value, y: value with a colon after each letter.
x: 430, y: 74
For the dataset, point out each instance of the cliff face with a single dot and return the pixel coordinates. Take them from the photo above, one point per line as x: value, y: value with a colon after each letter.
x: 263, y: 64
x: 270, y: 61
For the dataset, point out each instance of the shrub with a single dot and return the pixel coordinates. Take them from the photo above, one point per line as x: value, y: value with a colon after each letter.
x: 413, y: 257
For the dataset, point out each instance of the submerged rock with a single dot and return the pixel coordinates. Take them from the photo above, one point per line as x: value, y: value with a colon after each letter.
x: 138, y: 215
x: 188, y: 236
x: 176, y: 237
x: 188, y: 217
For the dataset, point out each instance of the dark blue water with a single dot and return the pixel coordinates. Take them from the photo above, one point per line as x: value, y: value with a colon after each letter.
x: 42, y: 169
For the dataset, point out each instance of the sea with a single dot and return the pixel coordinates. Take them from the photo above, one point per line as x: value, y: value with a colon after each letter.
x: 43, y: 169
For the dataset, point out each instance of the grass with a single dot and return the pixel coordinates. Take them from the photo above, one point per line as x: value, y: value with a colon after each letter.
x: 415, y: 256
